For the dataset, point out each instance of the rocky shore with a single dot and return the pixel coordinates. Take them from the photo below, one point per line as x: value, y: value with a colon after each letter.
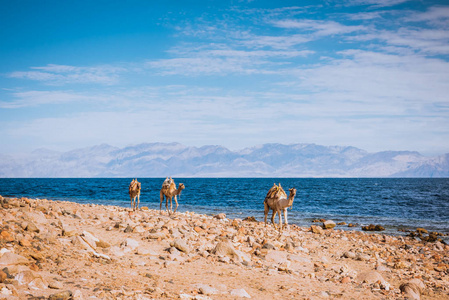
x: 64, y: 250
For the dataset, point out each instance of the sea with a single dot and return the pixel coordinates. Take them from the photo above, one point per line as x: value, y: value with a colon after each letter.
x: 396, y: 203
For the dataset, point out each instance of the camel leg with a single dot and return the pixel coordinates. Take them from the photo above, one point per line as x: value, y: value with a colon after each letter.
x: 138, y: 201
x: 160, y: 205
x: 176, y: 202
x: 285, y: 218
x: 266, y: 210
x: 166, y: 204
x: 171, y: 204
x: 280, y: 223
x: 272, y: 218
x: 131, y: 198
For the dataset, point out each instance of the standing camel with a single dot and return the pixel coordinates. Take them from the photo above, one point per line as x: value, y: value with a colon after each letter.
x: 277, y: 200
x: 134, y: 191
x: 169, y: 190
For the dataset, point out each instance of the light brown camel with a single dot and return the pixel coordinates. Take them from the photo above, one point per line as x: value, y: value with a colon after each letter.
x: 277, y: 200
x: 169, y: 190
x: 134, y: 191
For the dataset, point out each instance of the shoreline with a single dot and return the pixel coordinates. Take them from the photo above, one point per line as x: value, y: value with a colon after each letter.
x: 110, y: 252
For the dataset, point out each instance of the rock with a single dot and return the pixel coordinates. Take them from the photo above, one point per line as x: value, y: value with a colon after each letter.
x: 2, y: 276
x: 138, y: 229
x: 413, y: 289
x: 349, y: 254
x: 421, y: 230
x: 102, y: 244
x: 372, y: 227
x: 25, y: 243
x: 284, y: 266
x: 129, y: 244
x: 64, y: 295
x: 32, y: 227
x: 352, y: 225
x: 220, y: 216
x: 329, y: 224
x: 225, y: 248
x: 10, y: 258
x: 316, y: 229
x: 363, y: 257
x: 181, y: 245
x: 341, y: 223
x: 206, y: 289
x: 157, y: 235
x: 78, y: 295
x: 268, y: 246
x: 57, y: 285
x: 250, y: 219
x: 6, y: 236
x: 90, y: 239
x: 346, y: 279
x: 370, y: 277
x: 128, y: 229
x: 276, y: 256
x: 239, y: 293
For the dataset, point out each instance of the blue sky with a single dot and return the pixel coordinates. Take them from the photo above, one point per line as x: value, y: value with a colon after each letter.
x: 365, y: 73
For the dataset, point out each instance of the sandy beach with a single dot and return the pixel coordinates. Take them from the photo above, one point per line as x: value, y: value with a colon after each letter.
x: 64, y: 250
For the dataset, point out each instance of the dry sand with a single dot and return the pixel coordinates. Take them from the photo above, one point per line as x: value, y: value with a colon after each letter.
x: 64, y: 250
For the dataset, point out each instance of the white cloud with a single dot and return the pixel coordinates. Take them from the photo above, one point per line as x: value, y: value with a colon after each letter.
x: 376, y: 3
x: 436, y: 15
x: 319, y: 28
x: 62, y: 74
x: 38, y: 98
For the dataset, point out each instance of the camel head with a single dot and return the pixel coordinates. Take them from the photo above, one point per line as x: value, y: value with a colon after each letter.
x: 291, y: 197
x: 292, y: 192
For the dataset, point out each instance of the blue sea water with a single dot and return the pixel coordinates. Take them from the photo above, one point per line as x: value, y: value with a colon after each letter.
x: 394, y: 202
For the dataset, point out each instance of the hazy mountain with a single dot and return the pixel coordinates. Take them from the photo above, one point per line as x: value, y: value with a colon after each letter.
x: 268, y: 160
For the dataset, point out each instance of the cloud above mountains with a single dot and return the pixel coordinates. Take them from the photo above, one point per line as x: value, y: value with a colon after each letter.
x: 368, y: 73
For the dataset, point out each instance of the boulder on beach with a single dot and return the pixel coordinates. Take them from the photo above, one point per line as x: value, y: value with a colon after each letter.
x: 372, y: 227
x: 329, y: 224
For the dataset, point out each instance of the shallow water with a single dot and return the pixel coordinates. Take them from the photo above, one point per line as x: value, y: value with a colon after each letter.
x: 394, y: 203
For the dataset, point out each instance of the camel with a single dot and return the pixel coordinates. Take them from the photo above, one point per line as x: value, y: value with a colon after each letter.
x: 134, y: 191
x: 169, y: 190
x: 277, y: 200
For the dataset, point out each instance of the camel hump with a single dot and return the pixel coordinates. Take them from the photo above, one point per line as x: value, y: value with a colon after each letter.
x: 276, y: 192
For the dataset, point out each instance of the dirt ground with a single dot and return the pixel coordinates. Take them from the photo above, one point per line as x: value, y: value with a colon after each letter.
x: 64, y: 250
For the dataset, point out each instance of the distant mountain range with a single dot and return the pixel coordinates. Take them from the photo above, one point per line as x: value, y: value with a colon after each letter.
x: 268, y: 160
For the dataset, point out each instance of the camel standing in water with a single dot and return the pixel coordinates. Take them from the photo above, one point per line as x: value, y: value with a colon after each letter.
x: 277, y: 200
x: 169, y: 190
x: 134, y: 191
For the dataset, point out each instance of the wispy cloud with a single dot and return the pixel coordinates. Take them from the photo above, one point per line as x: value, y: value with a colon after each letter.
x: 225, y: 61
x: 318, y: 27
x: 38, y: 98
x: 62, y: 74
x: 376, y: 3
x: 436, y: 15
